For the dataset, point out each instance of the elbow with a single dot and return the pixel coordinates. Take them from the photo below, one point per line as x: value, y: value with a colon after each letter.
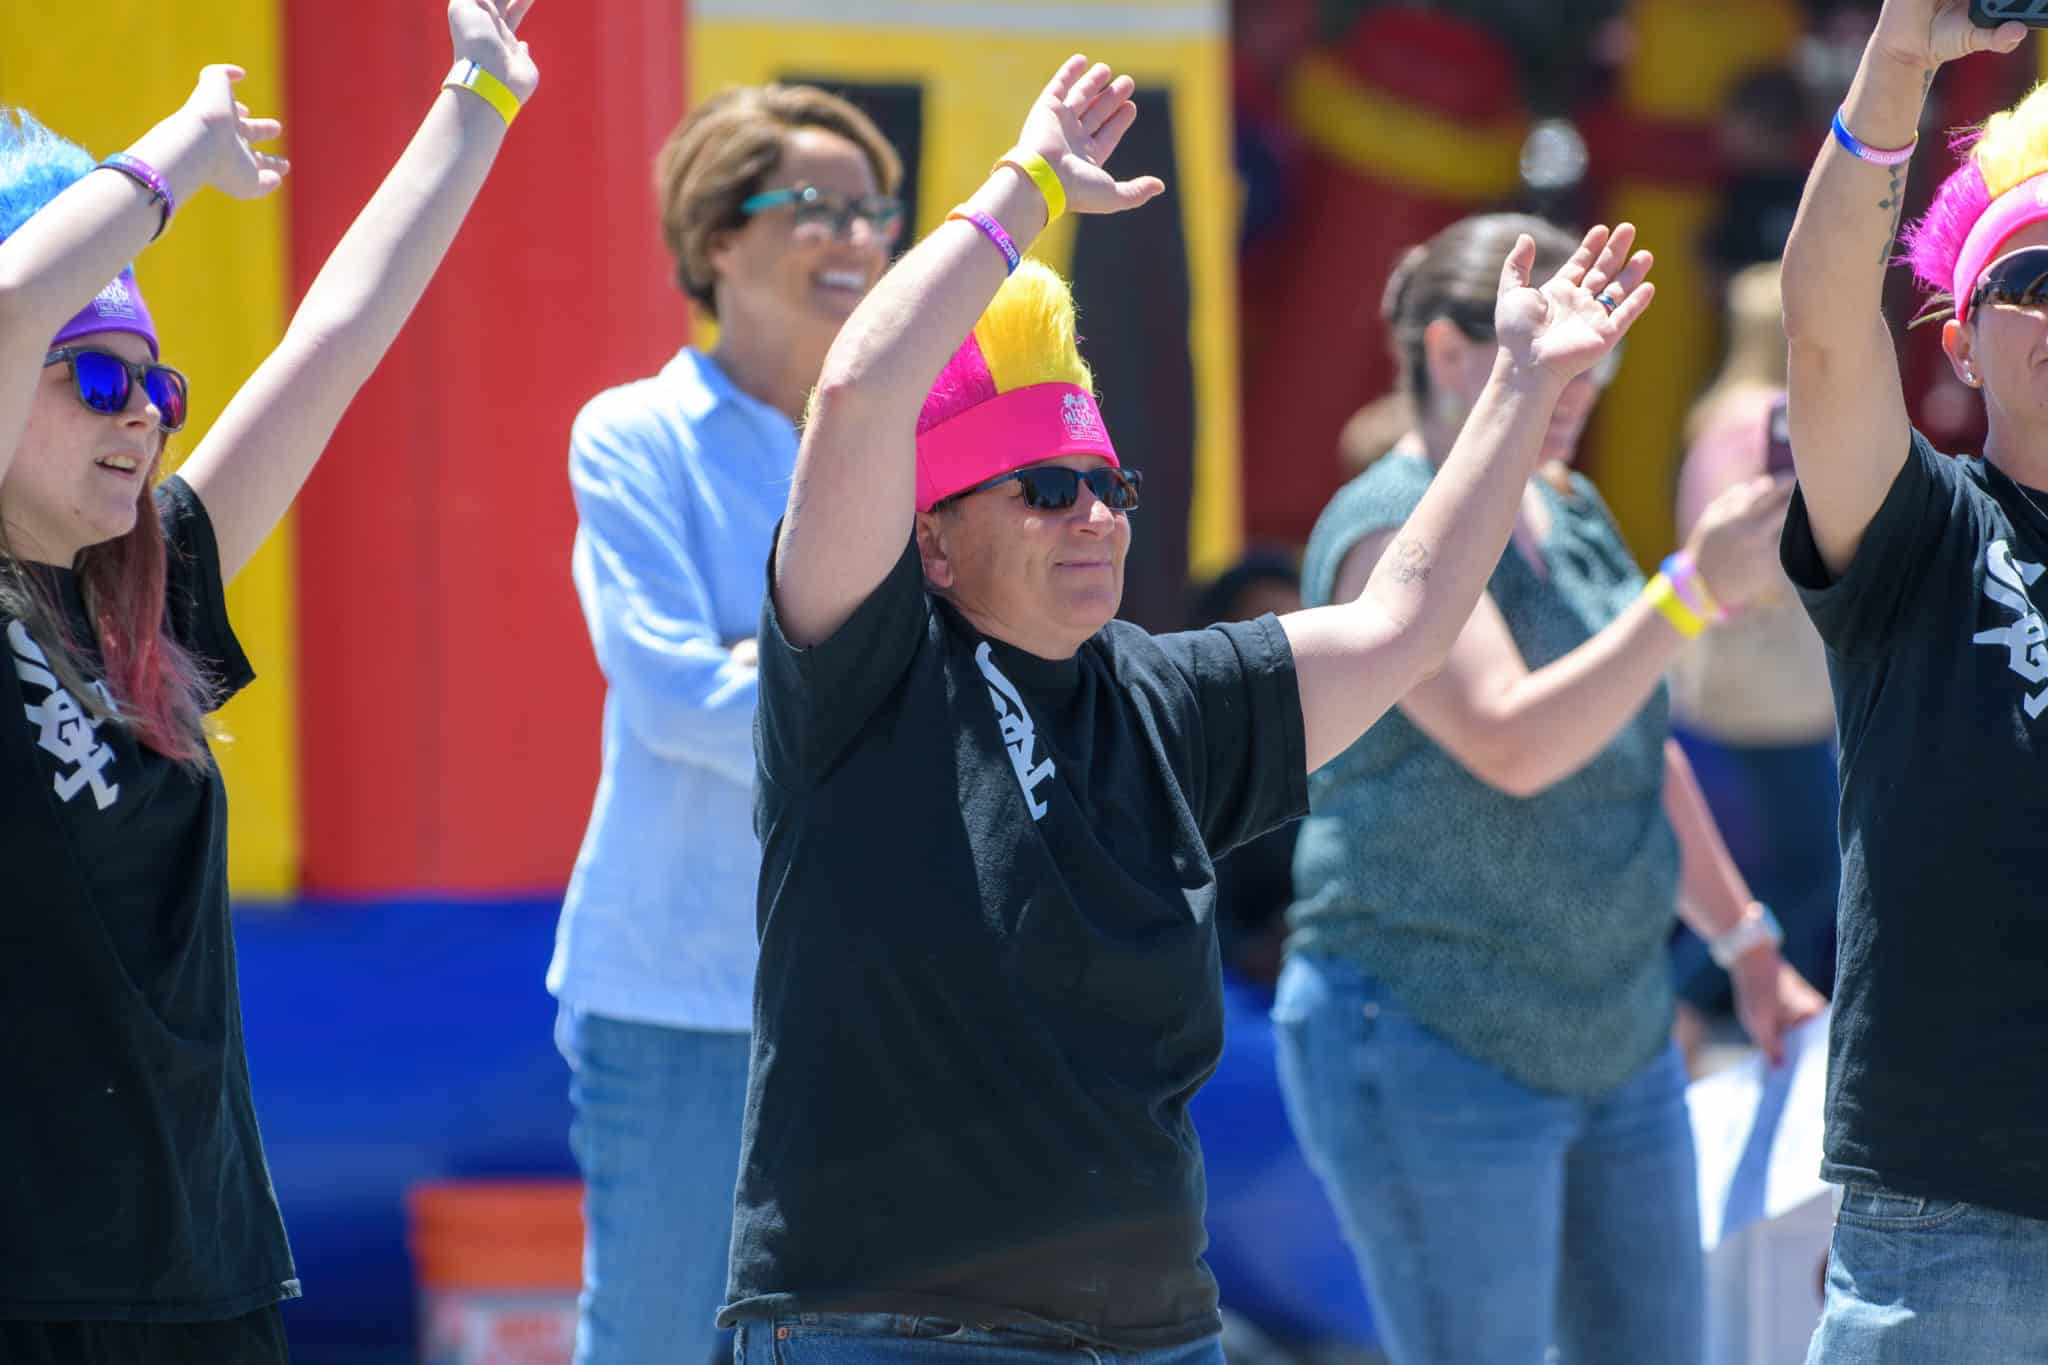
x: 1803, y: 321
x: 839, y: 398
x: 1516, y: 774
x: 1521, y: 781
x: 1511, y: 766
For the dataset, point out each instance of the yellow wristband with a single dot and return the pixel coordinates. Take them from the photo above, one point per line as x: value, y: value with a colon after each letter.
x: 1664, y: 597
x: 467, y: 75
x: 1048, y: 181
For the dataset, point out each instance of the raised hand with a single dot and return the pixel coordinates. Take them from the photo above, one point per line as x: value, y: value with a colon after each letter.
x: 1930, y: 32
x: 1565, y: 325
x: 487, y: 33
x: 233, y: 164
x: 1075, y: 124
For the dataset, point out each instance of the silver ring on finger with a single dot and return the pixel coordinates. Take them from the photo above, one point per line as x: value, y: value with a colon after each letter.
x: 1605, y: 298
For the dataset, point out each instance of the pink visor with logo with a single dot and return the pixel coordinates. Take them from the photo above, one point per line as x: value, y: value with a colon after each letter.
x: 2024, y: 204
x: 1009, y: 431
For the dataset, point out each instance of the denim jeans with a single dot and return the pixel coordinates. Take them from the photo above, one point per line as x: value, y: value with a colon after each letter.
x: 905, y: 1339
x: 657, y: 1135
x: 1493, y: 1221
x: 1914, y: 1280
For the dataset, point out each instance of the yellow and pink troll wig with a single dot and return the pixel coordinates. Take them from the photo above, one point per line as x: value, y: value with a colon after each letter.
x: 2001, y: 187
x: 1015, y: 393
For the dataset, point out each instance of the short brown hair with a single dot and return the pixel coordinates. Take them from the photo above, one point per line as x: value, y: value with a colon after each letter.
x: 722, y: 151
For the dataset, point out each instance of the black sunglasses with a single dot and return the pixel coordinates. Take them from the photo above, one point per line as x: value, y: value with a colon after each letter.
x: 1054, y: 487
x: 2021, y: 278
x: 107, y: 381
x: 818, y: 210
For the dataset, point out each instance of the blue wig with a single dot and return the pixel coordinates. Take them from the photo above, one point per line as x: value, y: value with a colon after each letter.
x: 36, y: 166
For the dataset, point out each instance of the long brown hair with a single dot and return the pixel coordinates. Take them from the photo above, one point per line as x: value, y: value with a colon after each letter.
x: 153, y: 685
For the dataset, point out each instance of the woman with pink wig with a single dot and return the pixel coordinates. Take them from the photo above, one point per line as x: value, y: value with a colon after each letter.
x: 137, y: 1220
x: 989, y: 813
x: 1920, y: 571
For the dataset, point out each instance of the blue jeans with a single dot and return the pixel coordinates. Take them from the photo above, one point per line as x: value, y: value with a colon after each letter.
x: 904, y: 1339
x: 1914, y: 1280
x: 657, y: 1135
x: 1493, y: 1221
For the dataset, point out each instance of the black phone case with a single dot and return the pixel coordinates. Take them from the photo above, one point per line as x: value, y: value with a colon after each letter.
x: 1992, y: 13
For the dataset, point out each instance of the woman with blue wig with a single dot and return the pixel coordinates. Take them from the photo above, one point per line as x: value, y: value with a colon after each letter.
x: 137, y: 1220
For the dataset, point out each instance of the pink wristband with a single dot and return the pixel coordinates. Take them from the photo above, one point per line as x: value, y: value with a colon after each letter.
x: 147, y: 176
x: 1691, y: 588
x: 992, y: 230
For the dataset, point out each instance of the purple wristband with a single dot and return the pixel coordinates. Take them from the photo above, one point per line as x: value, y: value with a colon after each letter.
x: 992, y: 230
x: 145, y: 175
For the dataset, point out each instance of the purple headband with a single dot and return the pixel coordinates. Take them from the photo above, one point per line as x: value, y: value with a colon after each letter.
x: 117, y: 308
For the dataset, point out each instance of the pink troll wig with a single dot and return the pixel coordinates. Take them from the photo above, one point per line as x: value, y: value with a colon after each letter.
x: 1016, y: 392
x: 1990, y: 196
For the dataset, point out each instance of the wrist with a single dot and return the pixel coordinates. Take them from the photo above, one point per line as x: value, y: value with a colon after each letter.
x: 1043, y: 175
x: 492, y: 59
x: 1009, y: 197
x: 1528, y: 381
x: 1738, y: 945
x: 1682, y: 569
x: 180, y: 149
x: 472, y: 78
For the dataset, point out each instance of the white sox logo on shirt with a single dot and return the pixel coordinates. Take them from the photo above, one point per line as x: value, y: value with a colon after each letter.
x: 65, y: 729
x: 1019, y: 735
x: 2026, y: 640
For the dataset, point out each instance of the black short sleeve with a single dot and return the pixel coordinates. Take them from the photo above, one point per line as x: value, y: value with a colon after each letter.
x: 814, y: 701
x: 194, y: 594
x: 1857, y: 613
x: 1253, y: 755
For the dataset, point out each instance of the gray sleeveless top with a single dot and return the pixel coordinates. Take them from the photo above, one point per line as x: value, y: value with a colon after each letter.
x: 1530, y: 932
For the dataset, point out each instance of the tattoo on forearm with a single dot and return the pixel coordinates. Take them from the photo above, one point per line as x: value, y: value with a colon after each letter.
x: 1411, y: 561
x: 1895, y: 198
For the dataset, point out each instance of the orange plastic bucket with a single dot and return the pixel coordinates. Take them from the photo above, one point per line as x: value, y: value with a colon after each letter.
x: 498, y: 1265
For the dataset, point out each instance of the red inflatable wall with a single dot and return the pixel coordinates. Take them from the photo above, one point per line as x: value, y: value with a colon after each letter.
x: 449, y: 708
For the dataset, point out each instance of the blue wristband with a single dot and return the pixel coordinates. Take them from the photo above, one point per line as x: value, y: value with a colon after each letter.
x: 1874, y: 155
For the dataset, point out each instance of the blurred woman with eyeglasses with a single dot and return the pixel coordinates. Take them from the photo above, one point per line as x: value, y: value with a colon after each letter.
x: 1475, y: 1015
x: 778, y: 207
x: 137, y: 1218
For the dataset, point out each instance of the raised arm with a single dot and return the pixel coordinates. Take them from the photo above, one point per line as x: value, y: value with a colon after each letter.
x: 53, y: 265
x: 258, y: 454
x: 1355, y: 659
x: 1847, y: 407
x: 852, y: 501
x: 1520, y: 730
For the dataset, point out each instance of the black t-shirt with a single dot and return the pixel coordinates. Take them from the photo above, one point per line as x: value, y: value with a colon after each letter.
x: 1940, y: 667
x: 988, y: 983
x: 132, y: 1181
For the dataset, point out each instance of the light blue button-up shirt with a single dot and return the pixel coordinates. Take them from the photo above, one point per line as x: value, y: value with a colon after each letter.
x: 679, y: 481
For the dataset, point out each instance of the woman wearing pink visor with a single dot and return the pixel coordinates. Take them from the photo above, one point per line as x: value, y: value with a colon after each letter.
x: 988, y: 982
x: 1922, y: 572
x: 137, y: 1220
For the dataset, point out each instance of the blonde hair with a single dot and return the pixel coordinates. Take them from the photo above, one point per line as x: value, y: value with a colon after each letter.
x: 1027, y: 335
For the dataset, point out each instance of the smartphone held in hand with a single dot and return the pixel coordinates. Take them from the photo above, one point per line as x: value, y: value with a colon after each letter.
x: 1778, y: 456
x: 1992, y: 13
